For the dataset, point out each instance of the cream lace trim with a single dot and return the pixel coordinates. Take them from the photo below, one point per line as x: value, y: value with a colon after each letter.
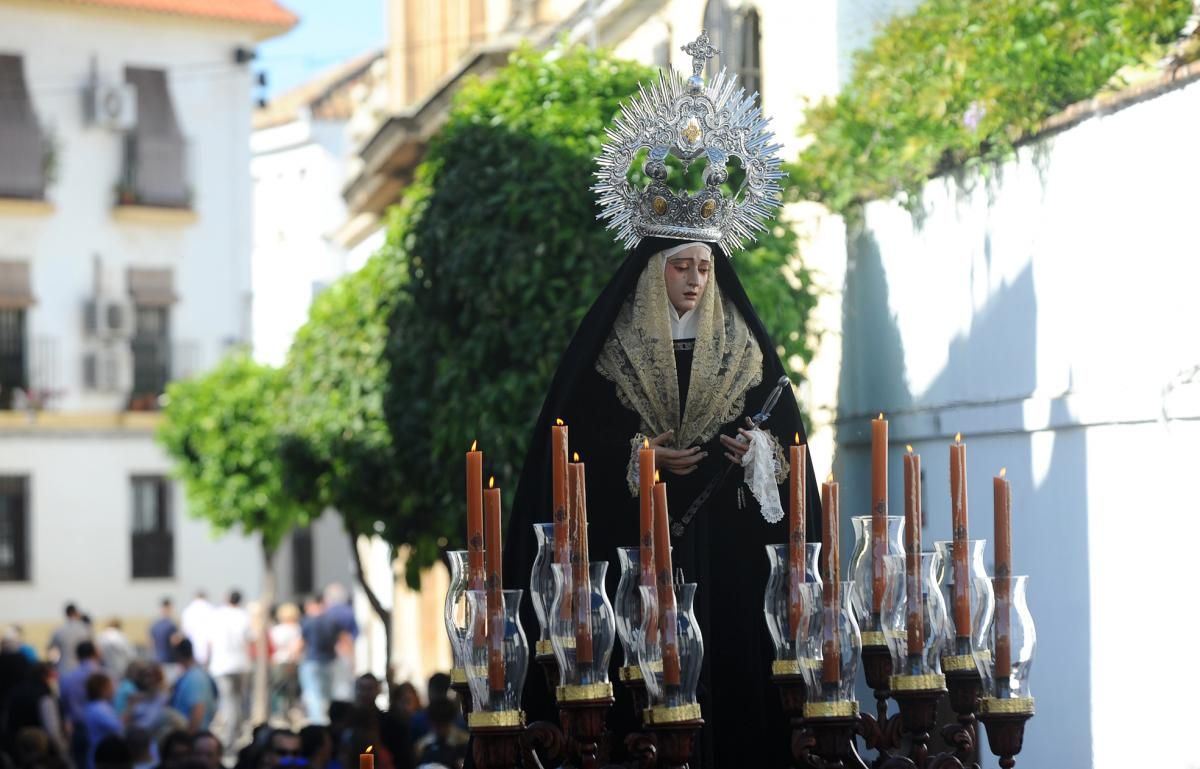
x: 639, y: 358
x: 781, y: 459
x: 633, y: 474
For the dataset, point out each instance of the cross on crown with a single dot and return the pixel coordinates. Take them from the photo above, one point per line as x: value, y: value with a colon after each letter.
x: 701, y: 51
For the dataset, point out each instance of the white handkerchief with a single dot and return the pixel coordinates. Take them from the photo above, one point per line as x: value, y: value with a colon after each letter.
x: 759, y: 462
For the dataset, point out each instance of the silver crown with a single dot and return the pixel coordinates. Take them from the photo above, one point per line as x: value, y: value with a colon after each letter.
x: 690, y: 120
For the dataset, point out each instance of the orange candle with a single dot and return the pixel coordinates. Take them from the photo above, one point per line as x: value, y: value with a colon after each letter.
x: 912, y: 565
x: 475, y: 569
x: 580, y: 579
x: 366, y: 760
x: 879, y: 511
x: 1002, y: 496
x: 495, y: 584
x: 558, y: 453
x: 666, y: 587
x: 831, y: 592
x: 646, y: 503
x: 797, y: 504
x: 958, y: 510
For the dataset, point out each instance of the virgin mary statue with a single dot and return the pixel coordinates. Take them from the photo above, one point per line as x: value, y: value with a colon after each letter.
x: 672, y: 352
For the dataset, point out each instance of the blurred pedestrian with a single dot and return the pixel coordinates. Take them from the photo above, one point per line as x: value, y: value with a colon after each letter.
x: 195, y: 694
x: 316, y: 746
x: 392, y: 728
x: 287, y: 644
x: 339, y: 610
x: 142, y: 750
x: 164, y: 634
x: 34, y: 703
x: 320, y: 634
x: 14, y: 638
x: 446, y: 743
x: 32, y: 749
x: 116, y: 650
x: 194, y: 623
x: 72, y: 691
x: 112, y: 752
x: 100, y: 719
x: 229, y: 664
x: 176, y: 747
x: 66, y: 639
x: 206, y: 748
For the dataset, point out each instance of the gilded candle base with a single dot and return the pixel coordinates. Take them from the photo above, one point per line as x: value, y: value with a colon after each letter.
x: 1009, y: 705
x: 630, y: 673
x: 544, y: 648
x: 794, y: 667
x: 873, y: 638
x: 919, y: 683
x: 491, y: 718
x: 584, y: 692
x: 458, y: 676
x: 952, y: 663
x: 839, y: 709
x: 671, y: 715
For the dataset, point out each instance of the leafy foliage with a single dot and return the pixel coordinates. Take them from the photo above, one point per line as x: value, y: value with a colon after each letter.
x: 961, y: 80
x: 222, y: 429
x: 505, y: 255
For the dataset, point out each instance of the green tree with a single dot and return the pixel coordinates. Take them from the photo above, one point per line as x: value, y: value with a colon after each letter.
x: 222, y: 430
x: 505, y: 254
x: 957, y: 81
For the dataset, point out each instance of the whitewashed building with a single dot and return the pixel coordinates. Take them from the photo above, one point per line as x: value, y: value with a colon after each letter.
x: 125, y: 238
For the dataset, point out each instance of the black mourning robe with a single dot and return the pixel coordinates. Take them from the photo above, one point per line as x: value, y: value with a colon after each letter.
x: 723, y: 548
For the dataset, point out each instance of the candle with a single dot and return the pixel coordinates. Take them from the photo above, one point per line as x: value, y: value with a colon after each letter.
x: 558, y: 435
x: 366, y: 759
x: 646, y: 501
x: 666, y: 587
x: 580, y: 579
x: 475, y: 574
x: 958, y: 508
x: 879, y: 510
x: 797, y: 504
x: 1002, y: 495
x: 831, y: 590
x: 912, y: 566
x: 495, y: 584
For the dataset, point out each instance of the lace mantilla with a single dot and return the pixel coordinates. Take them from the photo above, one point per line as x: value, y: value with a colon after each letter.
x: 639, y: 358
x: 633, y: 474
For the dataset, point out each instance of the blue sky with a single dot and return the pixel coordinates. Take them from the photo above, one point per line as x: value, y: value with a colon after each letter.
x: 330, y: 31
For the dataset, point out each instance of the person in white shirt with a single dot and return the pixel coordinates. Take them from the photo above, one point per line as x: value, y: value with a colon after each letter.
x: 194, y: 621
x: 229, y: 635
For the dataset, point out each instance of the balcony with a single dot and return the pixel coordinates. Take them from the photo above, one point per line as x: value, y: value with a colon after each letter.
x: 155, y: 186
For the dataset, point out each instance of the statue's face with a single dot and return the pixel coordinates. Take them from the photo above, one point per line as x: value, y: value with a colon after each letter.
x: 687, y: 277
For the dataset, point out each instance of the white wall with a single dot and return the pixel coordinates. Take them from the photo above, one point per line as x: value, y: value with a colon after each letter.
x: 299, y: 170
x: 1048, y: 314
x: 80, y: 507
x: 80, y: 499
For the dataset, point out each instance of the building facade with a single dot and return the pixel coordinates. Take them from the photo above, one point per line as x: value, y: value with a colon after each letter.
x: 125, y: 234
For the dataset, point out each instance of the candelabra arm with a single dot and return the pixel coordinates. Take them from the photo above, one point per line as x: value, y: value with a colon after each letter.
x: 879, y: 735
x: 642, y: 749
x: 543, y: 745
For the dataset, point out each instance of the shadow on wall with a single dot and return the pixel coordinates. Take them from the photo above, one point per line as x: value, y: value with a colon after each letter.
x: 980, y: 390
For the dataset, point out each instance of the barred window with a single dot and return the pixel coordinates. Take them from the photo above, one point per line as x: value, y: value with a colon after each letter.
x: 302, y: 561
x: 14, y: 528
x: 153, y: 535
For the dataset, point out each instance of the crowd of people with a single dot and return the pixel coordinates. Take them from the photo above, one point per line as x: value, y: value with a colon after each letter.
x: 181, y: 700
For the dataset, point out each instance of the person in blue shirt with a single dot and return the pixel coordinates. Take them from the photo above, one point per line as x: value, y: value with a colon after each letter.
x: 163, y: 633
x: 100, y: 718
x: 72, y: 690
x: 195, y: 693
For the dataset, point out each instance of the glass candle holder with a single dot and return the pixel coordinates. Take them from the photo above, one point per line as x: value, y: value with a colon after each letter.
x: 868, y: 606
x: 829, y: 651
x: 783, y: 602
x: 541, y: 584
x: 1011, y: 644
x: 982, y: 604
x: 456, y: 612
x: 628, y: 602
x: 670, y: 654
x: 497, y: 657
x: 914, y: 621
x: 583, y: 638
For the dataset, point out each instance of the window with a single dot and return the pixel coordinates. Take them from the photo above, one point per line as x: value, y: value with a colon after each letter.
x: 23, y: 156
x: 749, y: 53
x: 154, y: 169
x: 153, y: 543
x: 716, y: 23
x: 15, y: 298
x: 302, y: 561
x: 14, y: 528
x: 153, y: 293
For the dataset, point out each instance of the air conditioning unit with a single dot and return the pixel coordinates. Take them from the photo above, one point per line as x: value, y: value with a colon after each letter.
x: 112, y: 105
x: 108, y: 369
x: 108, y: 318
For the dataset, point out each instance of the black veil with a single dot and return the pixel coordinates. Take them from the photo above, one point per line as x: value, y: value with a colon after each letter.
x: 722, y: 550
